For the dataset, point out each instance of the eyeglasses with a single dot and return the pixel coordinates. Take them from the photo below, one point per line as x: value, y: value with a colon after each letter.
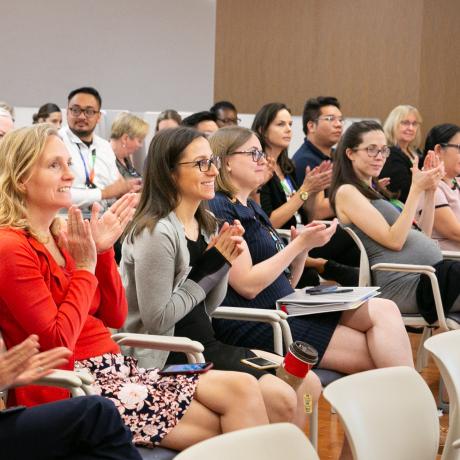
x: 230, y: 121
x: 205, y: 164
x: 455, y: 146
x: 257, y: 155
x: 407, y: 123
x: 373, y: 151
x: 332, y: 119
x: 77, y: 111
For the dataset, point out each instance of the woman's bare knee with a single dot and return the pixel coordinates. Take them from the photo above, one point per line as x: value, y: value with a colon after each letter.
x: 280, y: 399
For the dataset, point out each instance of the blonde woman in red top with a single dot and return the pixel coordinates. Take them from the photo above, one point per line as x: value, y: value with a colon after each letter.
x: 66, y: 289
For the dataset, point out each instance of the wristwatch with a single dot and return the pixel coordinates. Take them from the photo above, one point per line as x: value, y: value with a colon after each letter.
x: 303, y: 194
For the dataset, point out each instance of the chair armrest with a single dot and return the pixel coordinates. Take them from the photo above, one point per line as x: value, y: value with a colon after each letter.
x: 456, y: 444
x: 409, y: 268
x: 64, y: 379
x: 276, y: 318
x: 249, y: 314
x: 451, y: 255
x: 192, y: 348
x: 422, y: 269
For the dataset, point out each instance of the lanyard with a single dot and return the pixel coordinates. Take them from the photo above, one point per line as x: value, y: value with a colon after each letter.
x: 89, y: 175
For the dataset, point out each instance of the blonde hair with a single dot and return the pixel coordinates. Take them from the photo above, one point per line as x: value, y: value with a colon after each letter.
x: 223, y: 142
x: 132, y: 125
x: 19, y: 152
x: 392, y: 123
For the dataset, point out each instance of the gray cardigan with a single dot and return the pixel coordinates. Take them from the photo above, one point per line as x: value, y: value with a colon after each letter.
x: 154, y: 270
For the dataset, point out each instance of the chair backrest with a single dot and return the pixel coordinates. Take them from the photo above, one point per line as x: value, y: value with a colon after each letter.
x: 445, y: 349
x: 364, y: 268
x: 387, y: 414
x: 268, y: 442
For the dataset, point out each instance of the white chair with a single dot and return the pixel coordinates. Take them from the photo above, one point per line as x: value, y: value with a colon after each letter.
x: 411, y: 319
x: 268, y: 442
x: 445, y: 349
x: 387, y: 414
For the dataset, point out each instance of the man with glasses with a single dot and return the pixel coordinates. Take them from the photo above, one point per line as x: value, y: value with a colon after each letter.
x: 322, y: 124
x: 93, y: 161
x: 226, y: 114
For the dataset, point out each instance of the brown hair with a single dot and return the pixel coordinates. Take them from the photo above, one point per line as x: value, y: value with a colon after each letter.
x: 159, y: 194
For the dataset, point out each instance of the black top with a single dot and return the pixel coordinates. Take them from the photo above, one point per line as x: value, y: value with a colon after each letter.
x: 272, y: 196
x: 398, y: 169
x: 127, y: 171
x: 196, y: 323
x: 307, y: 155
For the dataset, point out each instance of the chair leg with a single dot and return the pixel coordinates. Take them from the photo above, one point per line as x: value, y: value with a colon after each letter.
x: 443, y: 405
x: 422, y: 357
x: 313, y: 423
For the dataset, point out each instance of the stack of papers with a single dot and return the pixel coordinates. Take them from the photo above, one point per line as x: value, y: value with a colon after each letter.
x: 300, y: 303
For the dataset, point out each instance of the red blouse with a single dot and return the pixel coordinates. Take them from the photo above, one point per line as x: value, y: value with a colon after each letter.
x: 62, y: 305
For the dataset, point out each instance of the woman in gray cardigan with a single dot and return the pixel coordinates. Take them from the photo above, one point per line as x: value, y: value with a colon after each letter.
x: 175, y: 267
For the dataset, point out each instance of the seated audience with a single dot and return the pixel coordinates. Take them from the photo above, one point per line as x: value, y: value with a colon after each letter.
x: 402, y: 130
x: 445, y: 141
x: 172, y: 231
x: 283, y: 201
x: 226, y: 114
x: 93, y: 162
x: 66, y: 289
x: 48, y: 113
x: 88, y: 427
x: 168, y: 119
x: 6, y: 122
x: 127, y: 136
x: 204, y: 122
x: 386, y: 230
x: 351, y: 341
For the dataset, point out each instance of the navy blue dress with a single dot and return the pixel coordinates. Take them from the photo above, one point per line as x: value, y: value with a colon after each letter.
x: 317, y: 330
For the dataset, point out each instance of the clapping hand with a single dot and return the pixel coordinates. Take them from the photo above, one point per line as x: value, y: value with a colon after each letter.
x: 23, y: 364
x: 110, y: 226
x: 77, y: 239
x: 229, y: 240
x: 319, y: 178
x: 315, y: 234
x: 433, y: 171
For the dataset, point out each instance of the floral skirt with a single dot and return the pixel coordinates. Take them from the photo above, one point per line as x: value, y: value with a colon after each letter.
x: 150, y: 404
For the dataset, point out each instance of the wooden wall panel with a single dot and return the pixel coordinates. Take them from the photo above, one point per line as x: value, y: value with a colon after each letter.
x: 371, y: 54
x: 440, y: 63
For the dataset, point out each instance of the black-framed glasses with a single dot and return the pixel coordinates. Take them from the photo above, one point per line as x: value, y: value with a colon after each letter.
x: 373, y: 151
x: 332, y: 119
x: 256, y: 154
x: 455, y: 146
x: 230, y: 121
x: 89, y: 112
x: 205, y: 164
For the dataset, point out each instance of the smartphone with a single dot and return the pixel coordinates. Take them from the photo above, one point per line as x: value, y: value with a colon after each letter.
x: 197, y: 368
x: 260, y: 363
x: 321, y: 289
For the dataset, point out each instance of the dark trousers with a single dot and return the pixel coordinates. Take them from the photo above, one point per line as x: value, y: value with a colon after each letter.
x: 85, y: 428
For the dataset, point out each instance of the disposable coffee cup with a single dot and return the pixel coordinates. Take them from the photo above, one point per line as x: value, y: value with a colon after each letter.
x: 299, y: 359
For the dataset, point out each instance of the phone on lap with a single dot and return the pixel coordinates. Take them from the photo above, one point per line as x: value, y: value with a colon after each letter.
x: 321, y: 288
x: 260, y: 363
x: 195, y: 368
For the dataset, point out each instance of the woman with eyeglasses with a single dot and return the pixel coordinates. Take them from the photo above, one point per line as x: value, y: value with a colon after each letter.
x: 388, y: 230
x: 267, y: 270
x: 445, y: 141
x: 288, y: 205
x: 402, y: 130
x: 175, y: 266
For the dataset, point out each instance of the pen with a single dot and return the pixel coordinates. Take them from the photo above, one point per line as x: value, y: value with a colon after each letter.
x: 338, y: 291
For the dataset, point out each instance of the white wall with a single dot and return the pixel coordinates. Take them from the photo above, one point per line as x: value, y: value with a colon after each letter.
x: 140, y: 54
